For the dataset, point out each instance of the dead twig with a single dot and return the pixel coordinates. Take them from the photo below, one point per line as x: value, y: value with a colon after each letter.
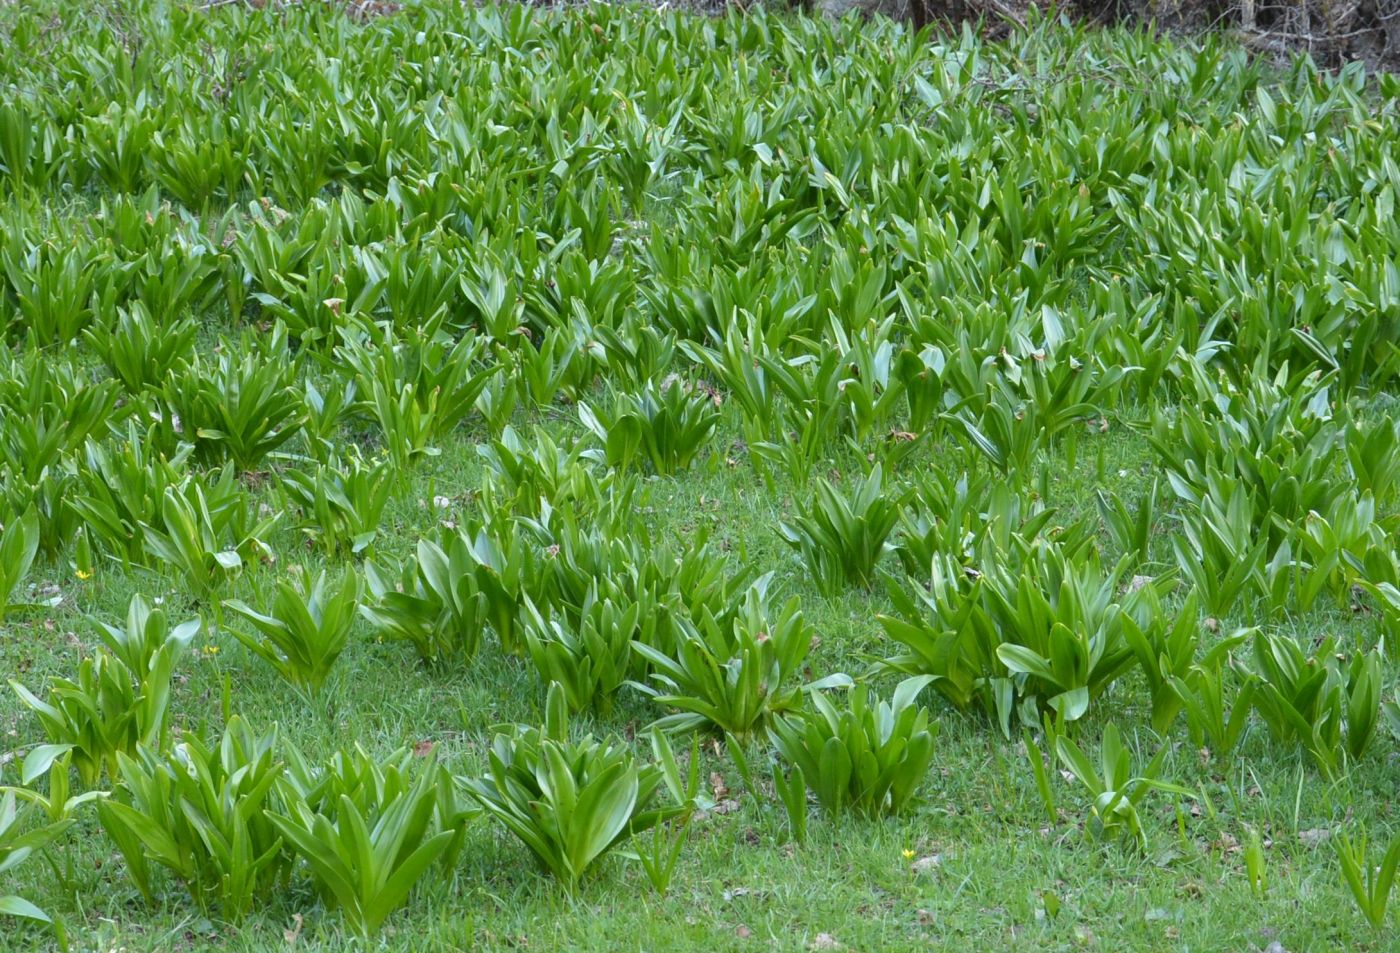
x: 1003, y: 10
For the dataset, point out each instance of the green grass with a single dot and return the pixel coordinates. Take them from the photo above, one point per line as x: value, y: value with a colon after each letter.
x: 1145, y: 170
x: 740, y: 884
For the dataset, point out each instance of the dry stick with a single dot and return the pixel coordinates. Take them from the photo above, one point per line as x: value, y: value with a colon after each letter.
x: 1268, y: 35
x: 278, y: 4
x: 1007, y: 12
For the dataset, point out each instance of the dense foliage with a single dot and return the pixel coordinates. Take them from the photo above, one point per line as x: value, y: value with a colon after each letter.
x: 629, y: 366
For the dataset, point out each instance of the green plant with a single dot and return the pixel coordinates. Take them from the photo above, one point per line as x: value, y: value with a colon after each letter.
x: 497, y: 402
x: 203, y: 156
x: 666, y: 426
x: 507, y: 564
x: 952, y: 516
x: 106, y: 710
x: 870, y: 755
x: 18, y: 841
x: 1254, y: 864
x: 120, y: 698
x: 1067, y: 629
x: 51, y: 408
x: 536, y: 472
x: 58, y: 802
x: 943, y: 633
x: 1116, y: 793
x: 417, y: 385
x: 323, y: 415
x: 19, y: 544
x: 369, y: 782
x: 139, y: 351
x: 869, y: 388
x: 1007, y: 432
x: 1214, y: 721
x: 1274, y: 441
x: 1011, y: 270
x: 305, y: 629
x: 1390, y: 712
x: 569, y: 801
x: 660, y: 855
x: 436, y: 604
x: 1373, y: 455
x: 23, y: 144
x: 791, y: 788
x: 201, y: 542
x: 342, y: 507
x: 117, y: 139
x: 1370, y: 886
x: 812, y: 418
x: 147, y: 632
x: 1329, y: 709
x: 1038, y: 629
x: 119, y: 488
x: 1164, y: 651
x: 744, y: 379
x: 561, y: 365
x: 52, y: 283
x: 1041, y: 765
x: 1131, y: 530
x: 367, y: 844
x: 240, y: 409
x: 840, y: 536
x: 734, y: 678
x: 201, y: 813
x: 1343, y: 549
x: 589, y: 658
x: 1221, y: 553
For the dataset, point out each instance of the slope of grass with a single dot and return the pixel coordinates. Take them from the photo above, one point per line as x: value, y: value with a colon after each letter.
x: 1153, y: 219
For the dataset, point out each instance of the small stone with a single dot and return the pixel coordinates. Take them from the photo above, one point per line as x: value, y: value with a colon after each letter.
x: 1314, y: 837
x: 927, y: 865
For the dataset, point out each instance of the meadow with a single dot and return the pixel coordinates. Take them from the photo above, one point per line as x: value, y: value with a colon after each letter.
x: 606, y: 478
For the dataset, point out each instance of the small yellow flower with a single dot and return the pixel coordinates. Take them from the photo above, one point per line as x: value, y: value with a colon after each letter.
x: 211, y: 650
x: 84, y: 573
x: 908, y: 854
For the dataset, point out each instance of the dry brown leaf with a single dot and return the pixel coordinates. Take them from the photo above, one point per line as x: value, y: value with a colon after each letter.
x: 718, y: 788
x: 292, y: 934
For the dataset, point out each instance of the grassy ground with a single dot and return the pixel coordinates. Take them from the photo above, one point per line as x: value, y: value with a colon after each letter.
x: 978, y: 863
